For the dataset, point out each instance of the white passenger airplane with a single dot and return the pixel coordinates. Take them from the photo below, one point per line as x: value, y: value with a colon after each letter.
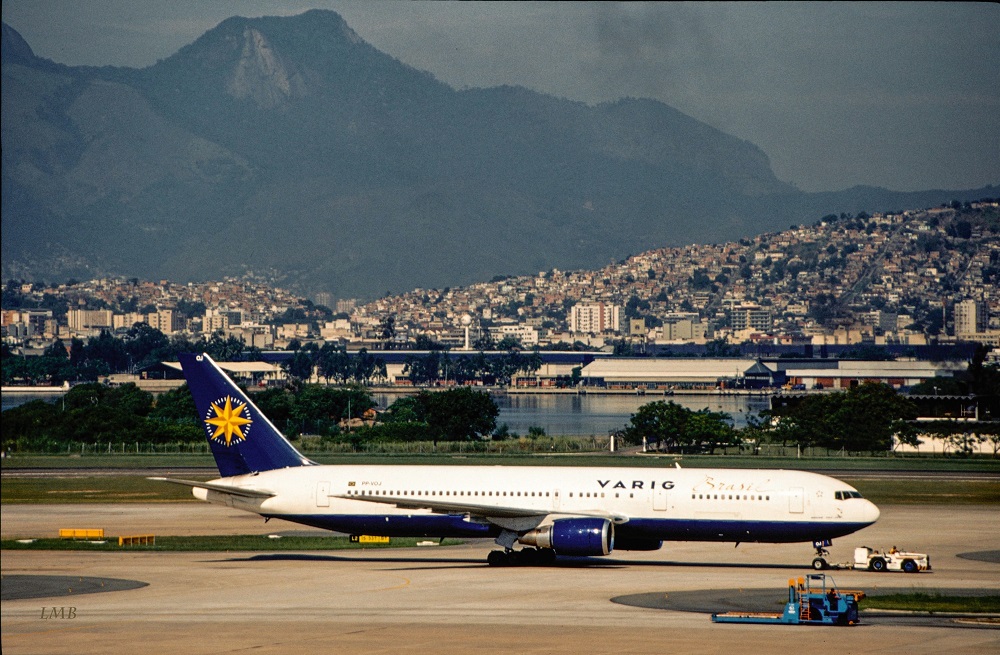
x: 551, y: 510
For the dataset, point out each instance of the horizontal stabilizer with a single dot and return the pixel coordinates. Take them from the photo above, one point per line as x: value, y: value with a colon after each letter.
x: 221, y: 488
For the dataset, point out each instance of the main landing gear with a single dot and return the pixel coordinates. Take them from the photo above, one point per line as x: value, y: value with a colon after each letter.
x: 523, y: 557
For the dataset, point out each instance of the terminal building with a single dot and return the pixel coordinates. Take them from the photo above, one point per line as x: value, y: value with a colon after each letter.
x: 734, y: 373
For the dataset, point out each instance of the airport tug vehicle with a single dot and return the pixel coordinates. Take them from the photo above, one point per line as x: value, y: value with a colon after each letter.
x: 811, y: 601
x: 878, y: 560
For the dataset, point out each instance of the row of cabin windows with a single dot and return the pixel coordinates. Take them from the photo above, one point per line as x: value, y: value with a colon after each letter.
x: 727, y: 497
x: 450, y: 493
x: 538, y: 494
x: 547, y: 494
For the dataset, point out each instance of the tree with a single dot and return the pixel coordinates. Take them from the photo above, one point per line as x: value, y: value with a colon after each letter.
x: 623, y: 348
x: 484, y: 342
x: 870, y: 415
x: 368, y: 367
x: 708, y: 429
x: 319, y: 409
x: 865, y: 418
x: 334, y: 362
x: 502, y: 369
x: 509, y: 343
x: 226, y: 349
x: 107, y: 354
x: 466, y: 368
x: 676, y: 428
x: 175, y: 405
x: 454, y: 415
x: 408, y: 409
x: 423, y: 370
x: 300, y: 365
x: 145, y: 345
x: 387, y: 331
x: 461, y: 414
x: 660, y: 422
x: 424, y: 342
x: 979, y: 378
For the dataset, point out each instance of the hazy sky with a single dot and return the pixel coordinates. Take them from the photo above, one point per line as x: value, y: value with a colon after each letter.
x: 900, y: 95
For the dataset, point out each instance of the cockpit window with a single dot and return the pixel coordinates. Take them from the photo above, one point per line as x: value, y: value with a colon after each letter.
x: 844, y: 495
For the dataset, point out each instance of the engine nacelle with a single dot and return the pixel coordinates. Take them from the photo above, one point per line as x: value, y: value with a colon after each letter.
x: 637, y: 543
x: 574, y: 537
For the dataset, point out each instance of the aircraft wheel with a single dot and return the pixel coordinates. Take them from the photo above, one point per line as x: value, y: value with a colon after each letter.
x: 497, y: 558
x: 528, y: 557
x: 819, y: 564
x: 546, y: 557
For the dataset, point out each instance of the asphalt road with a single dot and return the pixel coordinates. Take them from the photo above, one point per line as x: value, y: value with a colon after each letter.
x: 446, y: 600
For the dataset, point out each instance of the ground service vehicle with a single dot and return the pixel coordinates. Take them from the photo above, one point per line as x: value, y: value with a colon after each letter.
x: 810, y: 602
x: 879, y: 561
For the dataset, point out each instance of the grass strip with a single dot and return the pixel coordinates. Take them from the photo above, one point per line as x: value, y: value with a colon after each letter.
x: 251, y: 543
x: 933, y: 602
x: 97, y: 489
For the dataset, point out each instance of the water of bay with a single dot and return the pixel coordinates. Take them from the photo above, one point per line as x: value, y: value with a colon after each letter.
x: 12, y: 400
x: 598, y: 414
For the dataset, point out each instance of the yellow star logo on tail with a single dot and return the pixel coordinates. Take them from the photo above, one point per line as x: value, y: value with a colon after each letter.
x: 228, y: 421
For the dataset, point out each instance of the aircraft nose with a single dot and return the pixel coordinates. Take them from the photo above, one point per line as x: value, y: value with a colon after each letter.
x: 870, y: 512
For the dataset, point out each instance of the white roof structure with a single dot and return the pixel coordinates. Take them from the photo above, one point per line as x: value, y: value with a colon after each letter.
x: 895, y: 373
x: 239, y: 368
x: 694, y: 370
x: 245, y: 371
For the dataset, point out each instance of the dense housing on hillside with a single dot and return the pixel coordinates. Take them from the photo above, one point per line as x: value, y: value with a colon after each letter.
x: 902, y: 279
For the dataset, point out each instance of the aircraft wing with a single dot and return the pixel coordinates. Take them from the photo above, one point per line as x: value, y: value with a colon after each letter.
x: 439, y: 506
x: 221, y: 488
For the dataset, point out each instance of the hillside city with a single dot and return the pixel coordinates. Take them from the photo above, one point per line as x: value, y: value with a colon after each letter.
x: 909, y: 277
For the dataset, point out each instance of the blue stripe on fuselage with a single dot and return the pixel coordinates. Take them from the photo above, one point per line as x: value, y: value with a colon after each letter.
x: 736, y: 530
x: 417, y: 525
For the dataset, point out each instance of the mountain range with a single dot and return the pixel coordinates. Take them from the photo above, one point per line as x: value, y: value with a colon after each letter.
x: 290, y: 148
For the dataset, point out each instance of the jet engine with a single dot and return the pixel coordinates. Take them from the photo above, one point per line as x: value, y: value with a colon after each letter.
x: 574, y: 537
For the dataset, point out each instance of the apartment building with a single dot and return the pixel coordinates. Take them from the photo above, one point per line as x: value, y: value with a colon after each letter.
x: 595, y: 318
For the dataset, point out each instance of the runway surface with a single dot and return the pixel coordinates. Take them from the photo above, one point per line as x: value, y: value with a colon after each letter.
x: 446, y: 600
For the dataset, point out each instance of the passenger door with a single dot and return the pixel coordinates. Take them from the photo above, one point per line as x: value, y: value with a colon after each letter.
x: 660, y: 500
x: 323, y: 494
x: 796, y: 500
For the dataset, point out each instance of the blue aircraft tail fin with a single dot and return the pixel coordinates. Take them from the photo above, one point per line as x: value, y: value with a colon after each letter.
x: 242, y: 439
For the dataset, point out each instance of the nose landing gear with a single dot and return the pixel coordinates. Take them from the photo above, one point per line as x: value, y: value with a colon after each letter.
x: 819, y: 562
